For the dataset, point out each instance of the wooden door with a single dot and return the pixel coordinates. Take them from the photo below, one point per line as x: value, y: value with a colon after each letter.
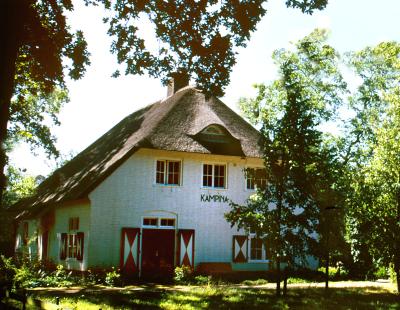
x: 158, y: 252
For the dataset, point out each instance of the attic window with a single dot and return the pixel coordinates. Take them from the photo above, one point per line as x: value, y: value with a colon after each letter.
x: 213, y: 130
x: 214, y: 134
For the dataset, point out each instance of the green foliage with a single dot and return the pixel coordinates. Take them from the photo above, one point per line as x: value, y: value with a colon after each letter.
x: 335, y: 273
x: 19, y: 186
x: 301, y: 167
x: 255, y: 282
x: 199, y: 38
x: 203, y: 280
x: 113, y: 277
x: 7, y: 270
x: 381, y: 273
x: 32, y: 117
x: 39, y: 50
x: 374, y: 206
x: 183, y: 274
x: 297, y: 280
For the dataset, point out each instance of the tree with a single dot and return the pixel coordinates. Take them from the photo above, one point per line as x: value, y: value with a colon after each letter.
x: 298, y: 163
x: 19, y: 186
x: 197, y: 38
x: 374, y: 207
x: 36, y: 42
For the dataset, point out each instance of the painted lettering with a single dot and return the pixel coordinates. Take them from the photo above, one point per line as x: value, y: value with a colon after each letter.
x: 214, y: 198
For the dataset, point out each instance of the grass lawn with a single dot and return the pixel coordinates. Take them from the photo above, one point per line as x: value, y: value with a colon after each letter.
x: 344, y: 295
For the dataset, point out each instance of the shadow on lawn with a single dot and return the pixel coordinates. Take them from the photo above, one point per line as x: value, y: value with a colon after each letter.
x: 237, y: 298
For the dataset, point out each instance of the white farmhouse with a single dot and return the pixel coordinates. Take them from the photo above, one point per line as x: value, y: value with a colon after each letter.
x: 151, y: 193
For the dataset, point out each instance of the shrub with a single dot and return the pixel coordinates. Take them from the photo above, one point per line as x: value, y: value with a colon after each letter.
x: 335, y: 273
x: 183, y: 274
x: 381, y: 273
x: 297, y: 280
x: 7, y: 274
x: 113, y: 277
x: 203, y: 280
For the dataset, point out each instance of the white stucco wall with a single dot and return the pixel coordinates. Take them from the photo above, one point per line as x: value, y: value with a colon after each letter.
x: 61, y: 225
x: 130, y: 192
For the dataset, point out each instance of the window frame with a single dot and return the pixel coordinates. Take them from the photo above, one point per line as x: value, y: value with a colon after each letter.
x: 74, y: 237
x: 264, y: 258
x: 72, y: 234
x: 159, y: 219
x: 166, y: 173
x: 254, y: 183
x: 150, y: 218
x: 213, y: 176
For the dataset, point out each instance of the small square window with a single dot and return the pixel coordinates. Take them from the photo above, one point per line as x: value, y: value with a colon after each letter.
x: 168, y: 172
x: 147, y: 221
x: 168, y: 222
x: 256, y: 178
x: 256, y: 248
x: 214, y: 176
x: 73, y: 223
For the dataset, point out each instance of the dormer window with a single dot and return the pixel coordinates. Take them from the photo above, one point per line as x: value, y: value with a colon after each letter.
x: 213, y: 130
x: 214, y: 133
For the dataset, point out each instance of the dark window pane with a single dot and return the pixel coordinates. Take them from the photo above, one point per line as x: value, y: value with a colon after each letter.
x: 160, y: 173
x: 207, y: 175
x: 168, y: 222
x: 256, y: 249
x: 174, y: 172
x: 150, y: 222
x: 219, y: 176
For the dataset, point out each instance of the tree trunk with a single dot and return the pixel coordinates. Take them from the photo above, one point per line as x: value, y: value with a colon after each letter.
x: 10, y: 30
x: 278, y: 276
x: 397, y: 244
x: 285, y: 279
x: 279, y: 248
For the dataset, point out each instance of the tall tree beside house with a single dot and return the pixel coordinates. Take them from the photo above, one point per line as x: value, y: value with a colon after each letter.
x: 299, y: 165
x: 198, y: 38
x: 374, y: 206
x: 38, y: 49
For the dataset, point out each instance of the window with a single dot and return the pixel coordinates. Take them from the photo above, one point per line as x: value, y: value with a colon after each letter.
x: 147, y: 221
x: 168, y: 172
x: 214, y: 176
x: 168, y: 222
x: 72, y: 238
x: 73, y: 223
x: 72, y: 246
x: 257, y: 248
x: 256, y: 178
x: 158, y: 222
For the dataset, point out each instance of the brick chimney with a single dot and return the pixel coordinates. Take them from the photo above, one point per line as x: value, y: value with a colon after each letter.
x: 177, y: 81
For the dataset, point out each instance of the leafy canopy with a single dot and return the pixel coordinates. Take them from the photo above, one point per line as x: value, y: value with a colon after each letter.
x: 299, y: 164
x: 200, y: 38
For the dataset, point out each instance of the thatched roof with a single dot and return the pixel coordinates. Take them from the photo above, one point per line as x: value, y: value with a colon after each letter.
x: 173, y: 124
